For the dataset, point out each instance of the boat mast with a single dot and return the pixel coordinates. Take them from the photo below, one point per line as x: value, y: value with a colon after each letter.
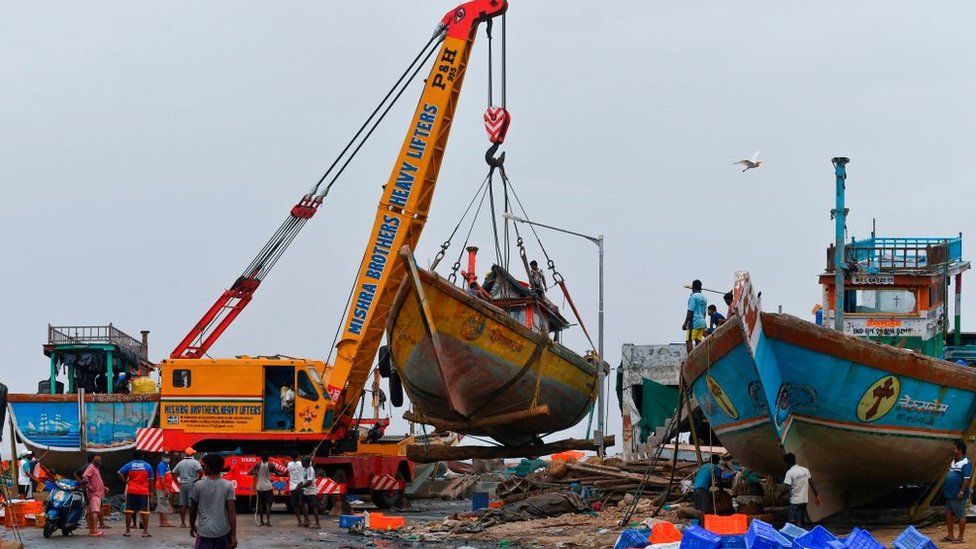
x: 840, y: 218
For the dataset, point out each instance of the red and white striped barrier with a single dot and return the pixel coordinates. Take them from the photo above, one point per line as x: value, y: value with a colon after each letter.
x: 149, y: 439
x: 329, y: 486
x: 385, y: 482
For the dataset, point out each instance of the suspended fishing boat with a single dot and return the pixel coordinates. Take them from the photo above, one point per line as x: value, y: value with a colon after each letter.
x: 91, y: 411
x: 724, y: 380
x: 486, y: 364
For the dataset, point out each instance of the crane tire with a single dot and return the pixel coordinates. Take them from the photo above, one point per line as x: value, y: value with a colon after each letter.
x: 396, y: 389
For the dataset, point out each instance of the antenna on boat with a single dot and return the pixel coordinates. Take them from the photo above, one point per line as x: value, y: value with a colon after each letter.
x: 840, y: 219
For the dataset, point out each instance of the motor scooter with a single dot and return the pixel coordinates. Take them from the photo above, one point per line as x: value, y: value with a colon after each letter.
x: 65, y: 507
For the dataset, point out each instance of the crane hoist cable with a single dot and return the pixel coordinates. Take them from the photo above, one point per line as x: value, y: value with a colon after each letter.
x: 232, y: 301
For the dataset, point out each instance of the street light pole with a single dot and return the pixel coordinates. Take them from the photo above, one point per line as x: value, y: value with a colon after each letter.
x: 601, y: 421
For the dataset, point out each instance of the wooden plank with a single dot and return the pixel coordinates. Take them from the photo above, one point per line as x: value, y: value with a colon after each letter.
x: 473, y: 424
x: 428, y: 454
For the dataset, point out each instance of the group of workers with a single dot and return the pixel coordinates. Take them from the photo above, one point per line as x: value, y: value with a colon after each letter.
x: 537, y: 281
x: 702, y: 319
x: 721, y: 469
x: 208, y: 499
x: 194, y: 485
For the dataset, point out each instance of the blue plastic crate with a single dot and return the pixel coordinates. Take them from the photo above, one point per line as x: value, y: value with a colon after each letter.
x: 913, y: 539
x: 479, y: 500
x: 762, y: 535
x: 346, y: 521
x: 733, y: 541
x: 836, y: 544
x: 814, y: 539
x: 791, y: 531
x: 630, y: 538
x: 853, y: 533
x: 696, y: 537
x: 862, y: 539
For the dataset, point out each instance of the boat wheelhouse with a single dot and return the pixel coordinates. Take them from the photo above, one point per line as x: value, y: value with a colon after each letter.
x: 896, y: 291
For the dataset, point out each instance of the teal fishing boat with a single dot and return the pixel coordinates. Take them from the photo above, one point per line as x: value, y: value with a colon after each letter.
x: 864, y: 398
x: 724, y: 381
x: 94, y: 396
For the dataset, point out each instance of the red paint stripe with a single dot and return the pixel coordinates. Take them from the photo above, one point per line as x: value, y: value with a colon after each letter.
x: 908, y: 431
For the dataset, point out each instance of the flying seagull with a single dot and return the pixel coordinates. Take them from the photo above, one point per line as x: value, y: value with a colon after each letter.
x: 751, y: 163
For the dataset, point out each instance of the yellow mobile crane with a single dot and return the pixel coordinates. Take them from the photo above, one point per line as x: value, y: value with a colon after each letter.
x: 279, y: 405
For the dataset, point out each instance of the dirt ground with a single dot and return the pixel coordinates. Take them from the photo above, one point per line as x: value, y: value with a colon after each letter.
x: 427, y: 526
x: 283, y: 534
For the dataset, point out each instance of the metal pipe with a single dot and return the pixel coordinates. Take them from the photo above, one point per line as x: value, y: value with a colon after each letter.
x: 601, y: 421
x: 957, y: 324
x: 601, y: 396
x: 840, y: 218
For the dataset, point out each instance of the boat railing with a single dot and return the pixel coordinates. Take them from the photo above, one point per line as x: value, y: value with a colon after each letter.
x: 68, y: 335
x: 899, y: 254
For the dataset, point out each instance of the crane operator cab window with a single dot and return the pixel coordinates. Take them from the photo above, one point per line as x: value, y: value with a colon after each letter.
x: 279, y: 398
x: 308, y: 409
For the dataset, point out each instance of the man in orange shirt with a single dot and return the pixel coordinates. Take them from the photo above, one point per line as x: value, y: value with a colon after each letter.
x: 138, y: 477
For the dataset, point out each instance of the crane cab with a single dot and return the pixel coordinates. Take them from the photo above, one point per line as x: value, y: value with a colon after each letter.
x: 244, y: 396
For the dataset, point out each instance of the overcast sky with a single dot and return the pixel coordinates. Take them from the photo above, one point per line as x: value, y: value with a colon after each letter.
x: 148, y: 150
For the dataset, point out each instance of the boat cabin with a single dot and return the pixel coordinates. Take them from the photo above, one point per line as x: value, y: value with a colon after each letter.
x: 523, y: 303
x: 98, y: 359
x: 896, y: 291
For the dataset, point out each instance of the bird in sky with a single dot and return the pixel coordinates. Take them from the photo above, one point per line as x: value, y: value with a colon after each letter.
x: 750, y: 163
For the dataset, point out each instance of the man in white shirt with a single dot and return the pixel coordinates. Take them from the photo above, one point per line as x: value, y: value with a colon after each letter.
x: 296, y: 484
x: 288, y: 405
x: 801, y: 484
x: 310, y: 494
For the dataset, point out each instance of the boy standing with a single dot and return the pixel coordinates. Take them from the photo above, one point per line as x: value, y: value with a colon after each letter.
x: 213, y: 504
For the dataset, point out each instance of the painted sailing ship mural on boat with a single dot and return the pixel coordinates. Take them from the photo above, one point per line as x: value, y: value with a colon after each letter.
x: 93, y: 409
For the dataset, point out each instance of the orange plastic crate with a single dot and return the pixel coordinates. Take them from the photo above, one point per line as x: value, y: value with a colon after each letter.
x: 496, y: 504
x: 385, y: 523
x: 14, y: 515
x: 568, y: 455
x: 727, y: 525
x: 664, y: 532
x: 32, y: 506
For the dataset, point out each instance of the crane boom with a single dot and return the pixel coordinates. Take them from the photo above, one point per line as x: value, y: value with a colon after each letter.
x: 230, y: 303
x: 404, y: 206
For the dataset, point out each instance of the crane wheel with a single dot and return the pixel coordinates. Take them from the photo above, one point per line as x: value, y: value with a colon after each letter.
x: 396, y: 389
x: 385, y: 362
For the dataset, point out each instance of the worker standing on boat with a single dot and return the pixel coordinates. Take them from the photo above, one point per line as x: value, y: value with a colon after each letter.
x: 695, y: 317
x: 799, y: 480
x: 704, y: 482
x: 956, y: 491
x: 728, y: 297
x: 536, y: 278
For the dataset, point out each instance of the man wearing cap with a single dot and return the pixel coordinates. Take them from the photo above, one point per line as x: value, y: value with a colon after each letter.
x: 187, y: 472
